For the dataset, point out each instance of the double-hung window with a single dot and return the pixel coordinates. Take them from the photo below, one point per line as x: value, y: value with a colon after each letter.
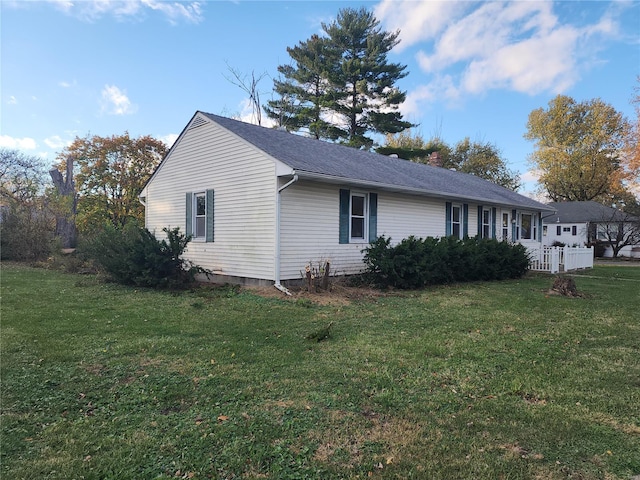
x: 505, y: 226
x: 199, y: 215
x: 456, y: 221
x: 358, y: 217
x: 486, y: 223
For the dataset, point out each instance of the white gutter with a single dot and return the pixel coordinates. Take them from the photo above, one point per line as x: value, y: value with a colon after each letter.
x: 418, y: 191
x: 277, y: 284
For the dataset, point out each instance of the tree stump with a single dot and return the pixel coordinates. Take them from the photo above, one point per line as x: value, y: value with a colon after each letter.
x: 66, y: 218
x: 565, y: 286
x: 325, y: 276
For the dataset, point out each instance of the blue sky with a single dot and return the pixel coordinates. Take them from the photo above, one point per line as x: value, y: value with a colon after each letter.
x: 476, y: 69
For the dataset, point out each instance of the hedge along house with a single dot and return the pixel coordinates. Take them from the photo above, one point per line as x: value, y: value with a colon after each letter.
x: 262, y: 203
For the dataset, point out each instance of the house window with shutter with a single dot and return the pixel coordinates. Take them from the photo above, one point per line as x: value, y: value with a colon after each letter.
x: 456, y: 220
x: 486, y: 223
x: 505, y: 227
x: 199, y: 215
x: 358, y: 217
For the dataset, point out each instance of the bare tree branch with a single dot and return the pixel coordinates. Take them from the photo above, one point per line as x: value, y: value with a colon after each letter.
x: 249, y: 84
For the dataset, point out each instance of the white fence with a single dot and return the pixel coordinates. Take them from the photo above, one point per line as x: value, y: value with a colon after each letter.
x: 561, y: 259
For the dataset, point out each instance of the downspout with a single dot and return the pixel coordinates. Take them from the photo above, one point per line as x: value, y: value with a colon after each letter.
x: 277, y: 284
x: 143, y: 201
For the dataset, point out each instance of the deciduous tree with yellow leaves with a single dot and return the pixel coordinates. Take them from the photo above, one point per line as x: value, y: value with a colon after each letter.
x: 580, y: 150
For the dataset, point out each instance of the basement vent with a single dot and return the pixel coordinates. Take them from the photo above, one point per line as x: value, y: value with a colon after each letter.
x: 197, y: 122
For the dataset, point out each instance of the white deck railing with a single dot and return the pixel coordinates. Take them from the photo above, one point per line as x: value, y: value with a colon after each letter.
x: 561, y: 259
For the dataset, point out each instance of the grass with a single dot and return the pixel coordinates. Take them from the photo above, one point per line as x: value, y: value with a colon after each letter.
x: 495, y: 380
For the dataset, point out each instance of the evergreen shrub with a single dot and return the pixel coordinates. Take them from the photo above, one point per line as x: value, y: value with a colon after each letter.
x: 416, y: 262
x: 133, y: 256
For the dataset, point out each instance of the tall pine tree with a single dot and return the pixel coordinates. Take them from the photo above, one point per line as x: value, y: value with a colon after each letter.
x: 365, y: 95
x: 341, y: 86
x: 304, y: 90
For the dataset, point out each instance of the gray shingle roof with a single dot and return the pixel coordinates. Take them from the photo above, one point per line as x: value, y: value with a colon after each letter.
x: 310, y: 157
x: 583, y: 212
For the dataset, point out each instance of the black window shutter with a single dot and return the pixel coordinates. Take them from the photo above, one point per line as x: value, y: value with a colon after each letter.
x: 465, y: 219
x: 447, y: 229
x: 494, y: 212
x: 344, y: 215
x: 209, y: 216
x: 373, y: 217
x: 189, y: 214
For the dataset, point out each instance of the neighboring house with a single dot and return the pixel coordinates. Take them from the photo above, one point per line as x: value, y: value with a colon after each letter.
x: 262, y: 203
x: 591, y: 223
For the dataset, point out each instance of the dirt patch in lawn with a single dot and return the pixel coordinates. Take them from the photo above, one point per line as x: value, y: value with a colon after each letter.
x: 337, y: 295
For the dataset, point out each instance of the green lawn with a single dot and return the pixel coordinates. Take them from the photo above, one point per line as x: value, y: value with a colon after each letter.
x: 495, y: 380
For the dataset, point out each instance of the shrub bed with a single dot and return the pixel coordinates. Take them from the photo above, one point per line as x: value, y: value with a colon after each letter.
x: 133, y: 256
x: 416, y: 262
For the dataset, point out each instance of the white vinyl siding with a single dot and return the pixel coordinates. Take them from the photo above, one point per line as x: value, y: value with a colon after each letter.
x: 402, y: 215
x: 209, y: 157
x: 310, y: 223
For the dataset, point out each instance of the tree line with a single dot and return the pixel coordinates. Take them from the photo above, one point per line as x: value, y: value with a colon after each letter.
x: 339, y: 87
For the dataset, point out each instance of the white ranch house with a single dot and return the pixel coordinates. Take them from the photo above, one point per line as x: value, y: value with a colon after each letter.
x: 587, y: 223
x: 262, y: 203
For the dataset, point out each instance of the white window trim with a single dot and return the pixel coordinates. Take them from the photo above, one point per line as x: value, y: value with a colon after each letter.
x: 460, y: 221
x: 365, y: 217
x: 487, y: 225
x: 195, y: 216
x: 505, y: 228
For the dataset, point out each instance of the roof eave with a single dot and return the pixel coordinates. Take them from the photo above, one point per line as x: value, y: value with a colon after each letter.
x: 412, y: 190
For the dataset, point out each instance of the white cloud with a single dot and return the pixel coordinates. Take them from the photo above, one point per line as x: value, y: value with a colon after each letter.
x: 25, y: 143
x: 55, y: 142
x: 247, y: 115
x: 470, y: 48
x: 442, y: 87
x: 65, y: 84
x: 116, y: 102
x: 417, y: 21
x: 12, y: 100
x: 530, y: 176
x: 176, y: 11
x: 169, y: 139
x: 531, y: 66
